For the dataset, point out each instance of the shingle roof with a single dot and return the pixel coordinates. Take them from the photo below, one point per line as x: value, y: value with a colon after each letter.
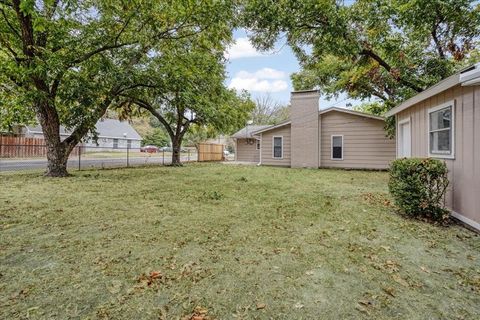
x: 246, y: 132
x: 106, y: 128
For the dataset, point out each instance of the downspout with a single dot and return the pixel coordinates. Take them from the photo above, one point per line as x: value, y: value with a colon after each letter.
x: 261, y: 146
x: 236, y: 149
x: 319, y: 144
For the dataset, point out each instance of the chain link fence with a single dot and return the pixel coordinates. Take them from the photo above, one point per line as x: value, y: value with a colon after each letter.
x: 18, y: 157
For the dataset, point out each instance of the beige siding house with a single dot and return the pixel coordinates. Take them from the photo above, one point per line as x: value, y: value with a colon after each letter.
x: 329, y: 138
x: 247, y: 147
x: 444, y: 122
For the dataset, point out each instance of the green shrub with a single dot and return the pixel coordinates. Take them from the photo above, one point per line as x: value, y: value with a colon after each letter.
x: 418, y: 187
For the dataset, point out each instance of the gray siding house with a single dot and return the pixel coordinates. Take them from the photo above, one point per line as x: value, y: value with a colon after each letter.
x: 112, y: 135
x: 444, y: 122
x: 313, y: 138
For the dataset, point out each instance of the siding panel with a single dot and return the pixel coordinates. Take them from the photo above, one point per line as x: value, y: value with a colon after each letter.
x: 246, y: 152
x: 365, y: 145
x: 267, y: 149
x: 464, y: 171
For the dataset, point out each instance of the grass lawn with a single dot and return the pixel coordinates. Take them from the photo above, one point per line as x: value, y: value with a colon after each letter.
x: 240, y: 242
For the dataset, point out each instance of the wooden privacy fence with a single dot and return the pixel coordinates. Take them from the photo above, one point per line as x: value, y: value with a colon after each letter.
x: 22, y: 147
x: 210, y: 152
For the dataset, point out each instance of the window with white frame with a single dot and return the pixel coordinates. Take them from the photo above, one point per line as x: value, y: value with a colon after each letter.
x: 278, y: 147
x: 337, y: 147
x: 258, y: 144
x: 440, y: 130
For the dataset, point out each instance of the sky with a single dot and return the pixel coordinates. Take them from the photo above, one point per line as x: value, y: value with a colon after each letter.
x: 267, y: 73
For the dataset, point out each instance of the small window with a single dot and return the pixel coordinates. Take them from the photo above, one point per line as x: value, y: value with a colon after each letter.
x: 258, y: 144
x: 278, y: 147
x: 115, y: 143
x: 337, y: 147
x: 441, y: 131
x: 129, y: 144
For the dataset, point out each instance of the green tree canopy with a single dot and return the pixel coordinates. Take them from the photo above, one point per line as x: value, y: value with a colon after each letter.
x: 388, y: 50
x: 66, y: 62
x: 187, y: 87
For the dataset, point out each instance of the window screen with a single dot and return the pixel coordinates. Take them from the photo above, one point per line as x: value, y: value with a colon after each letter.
x: 337, y: 147
x: 440, y: 131
x: 277, y: 147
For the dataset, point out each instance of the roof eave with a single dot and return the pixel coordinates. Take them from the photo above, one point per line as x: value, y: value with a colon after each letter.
x: 356, y: 113
x: 272, y: 127
x: 441, y: 86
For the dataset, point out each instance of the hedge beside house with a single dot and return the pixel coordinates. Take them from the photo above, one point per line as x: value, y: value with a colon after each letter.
x: 418, y: 186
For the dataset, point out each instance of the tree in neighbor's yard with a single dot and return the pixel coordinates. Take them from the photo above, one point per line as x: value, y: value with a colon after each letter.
x: 188, y: 88
x: 269, y: 111
x: 66, y: 62
x: 386, y: 50
x: 197, y: 134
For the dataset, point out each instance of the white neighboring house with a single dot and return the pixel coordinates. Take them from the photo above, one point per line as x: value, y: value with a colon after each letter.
x: 113, y: 135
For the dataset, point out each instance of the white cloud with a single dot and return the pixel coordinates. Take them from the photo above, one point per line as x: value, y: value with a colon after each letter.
x: 263, y: 80
x: 242, y: 49
x: 265, y: 73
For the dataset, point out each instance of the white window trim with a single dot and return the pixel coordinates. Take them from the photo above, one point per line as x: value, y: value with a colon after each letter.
x: 399, y: 124
x: 452, y: 128
x: 331, y: 147
x: 273, y: 148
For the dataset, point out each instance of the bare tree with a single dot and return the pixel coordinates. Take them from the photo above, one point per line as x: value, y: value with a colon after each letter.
x: 269, y: 111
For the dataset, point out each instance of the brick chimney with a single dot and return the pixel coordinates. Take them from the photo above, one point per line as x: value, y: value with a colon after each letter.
x: 304, y: 129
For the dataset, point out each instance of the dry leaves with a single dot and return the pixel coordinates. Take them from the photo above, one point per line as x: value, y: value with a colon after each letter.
x: 153, y: 278
x: 400, y: 280
x: 376, y: 199
x: 199, y: 313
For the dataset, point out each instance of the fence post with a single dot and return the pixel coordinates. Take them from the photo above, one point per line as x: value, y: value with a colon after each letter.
x: 188, y: 155
x: 163, y: 157
x: 128, y: 155
x: 79, y: 157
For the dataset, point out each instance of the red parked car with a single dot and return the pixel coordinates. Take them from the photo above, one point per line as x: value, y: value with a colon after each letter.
x: 149, y: 149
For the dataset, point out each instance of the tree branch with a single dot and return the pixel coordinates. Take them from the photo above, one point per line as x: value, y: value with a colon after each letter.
x: 90, y: 54
x: 12, y: 52
x: 8, y: 4
x: 386, y: 66
x: 147, y: 106
x: 15, y: 31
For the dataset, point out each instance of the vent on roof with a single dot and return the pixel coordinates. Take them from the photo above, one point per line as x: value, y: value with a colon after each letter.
x: 471, y: 76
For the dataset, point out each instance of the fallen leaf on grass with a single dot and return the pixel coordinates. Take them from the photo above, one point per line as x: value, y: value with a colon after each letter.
x: 298, y: 305
x: 199, y: 313
x: 367, y: 303
x: 391, y: 266
x: 425, y: 269
x: 362, y: 309
x: 261, y: 306
x: 154, y: 277
x: 401, y: 281
x: 386, y: 248
x: 390, y: 291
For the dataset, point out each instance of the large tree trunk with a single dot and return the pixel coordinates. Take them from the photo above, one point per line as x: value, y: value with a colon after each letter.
x: 176, y: 149
x: 57, y: 157
x: 57, y: 151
